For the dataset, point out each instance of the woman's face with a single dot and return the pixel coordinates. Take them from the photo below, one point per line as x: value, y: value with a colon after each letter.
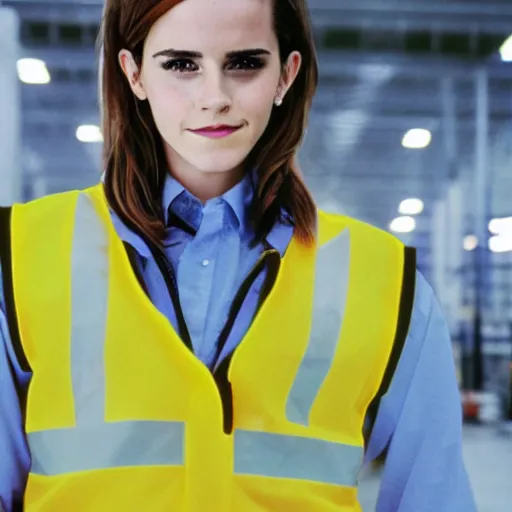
x: 208, y: 63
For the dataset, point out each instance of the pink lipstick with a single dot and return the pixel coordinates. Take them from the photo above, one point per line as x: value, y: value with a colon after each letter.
x: 217, y: 131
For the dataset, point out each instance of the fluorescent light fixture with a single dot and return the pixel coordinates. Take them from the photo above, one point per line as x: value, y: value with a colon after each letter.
x: 506, y: 50
x: 500, y: 243
x: 470, y: 243
x: 33, y: 71
x: 376, y: 73
x: 412, y: 206
x: 501, y: 226
x: 417, y: 138
x: 403, y: 225
x: 89, y: 133
x: 348, y: 117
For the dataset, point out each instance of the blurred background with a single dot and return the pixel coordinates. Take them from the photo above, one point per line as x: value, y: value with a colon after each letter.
x: 411, y: 130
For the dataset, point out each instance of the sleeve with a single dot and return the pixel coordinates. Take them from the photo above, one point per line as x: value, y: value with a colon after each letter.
x: 420, y: 421
x: 15, y: 459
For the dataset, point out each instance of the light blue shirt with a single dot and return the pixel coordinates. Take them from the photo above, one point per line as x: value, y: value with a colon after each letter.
x: 419, y: 418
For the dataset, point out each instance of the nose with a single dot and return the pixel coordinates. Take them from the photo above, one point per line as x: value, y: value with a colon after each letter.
x: 214, y: 95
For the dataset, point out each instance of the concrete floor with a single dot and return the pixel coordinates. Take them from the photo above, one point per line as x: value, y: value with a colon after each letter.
x: 488, y: 455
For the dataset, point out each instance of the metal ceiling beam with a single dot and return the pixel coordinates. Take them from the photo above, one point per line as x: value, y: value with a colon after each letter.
x: 403, y: 112
x: 336, y: 63
x: 392, y: 168
x: 377, y: 185
x: 73, y: 59
x: 441, y: 7
x: 353, y: 197
x: 61, y: 99
x: 57, y: 121
x: 489, y: 16
x: 446, y: 7
x: 423, y: 95
x: 55, y: 11
x: 321, y: 18
x: 418, y: 21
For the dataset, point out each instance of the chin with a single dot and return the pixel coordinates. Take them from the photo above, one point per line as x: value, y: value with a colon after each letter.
x: 217, y: 163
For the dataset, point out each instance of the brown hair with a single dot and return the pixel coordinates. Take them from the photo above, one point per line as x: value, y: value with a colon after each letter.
x: 134, y: 158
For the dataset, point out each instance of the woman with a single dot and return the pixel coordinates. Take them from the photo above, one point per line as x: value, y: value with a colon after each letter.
x: 191, y: 334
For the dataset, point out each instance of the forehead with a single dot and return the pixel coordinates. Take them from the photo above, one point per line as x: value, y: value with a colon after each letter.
x: 210, y: 25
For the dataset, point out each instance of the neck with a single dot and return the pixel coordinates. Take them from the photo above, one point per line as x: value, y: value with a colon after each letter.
x: 205, y: 185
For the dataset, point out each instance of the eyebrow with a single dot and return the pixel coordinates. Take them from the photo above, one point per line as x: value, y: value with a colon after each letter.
x: 186, y: 54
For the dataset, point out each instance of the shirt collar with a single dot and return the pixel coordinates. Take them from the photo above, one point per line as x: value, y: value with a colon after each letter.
x: 239, y: 198
x: 172, y: 189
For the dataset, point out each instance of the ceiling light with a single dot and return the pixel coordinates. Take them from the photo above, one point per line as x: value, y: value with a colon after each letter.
x: 376, y: 73
x: 501, y: 226
x: 412, y: 206
x: 33, y: 71
x: 349, y: 117
x: 500, y: 243
x: 417, y: 138
x: 506, y: 50
x: 403, y: 225
x: 470, y: 243
x: 89, y: 133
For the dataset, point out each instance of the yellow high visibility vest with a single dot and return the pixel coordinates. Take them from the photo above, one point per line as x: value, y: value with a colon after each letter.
x: 121, y: 415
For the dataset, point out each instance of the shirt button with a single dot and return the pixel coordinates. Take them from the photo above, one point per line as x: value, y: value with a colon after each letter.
x: 205, y: 263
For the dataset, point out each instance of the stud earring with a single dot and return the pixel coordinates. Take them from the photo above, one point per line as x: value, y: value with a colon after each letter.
x: 278, y: 101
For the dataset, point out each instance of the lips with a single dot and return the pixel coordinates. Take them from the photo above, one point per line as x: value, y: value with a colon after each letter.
x: 216, y: 131
x: 216, y: 128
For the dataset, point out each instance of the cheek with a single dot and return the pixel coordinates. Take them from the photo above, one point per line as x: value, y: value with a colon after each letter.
x: 257, y: 99
x: 257, y: 108
x: 168, y: 104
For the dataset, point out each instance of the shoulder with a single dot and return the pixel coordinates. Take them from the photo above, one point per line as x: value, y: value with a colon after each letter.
x: 429, y: 331
x: 52, y: 209
x: 424, y: 299
x: 428, y: 340
x: 2, y: 300
x: 336, y: 219
x: 425, y: 310
x: 428, y: 334
x: 329, y: 223
x: 49, y: 201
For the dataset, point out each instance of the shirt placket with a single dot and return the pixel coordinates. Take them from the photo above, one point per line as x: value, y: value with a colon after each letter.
x: 196, y: 273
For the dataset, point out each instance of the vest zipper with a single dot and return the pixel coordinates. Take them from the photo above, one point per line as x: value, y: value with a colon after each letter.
x: 240, y: 298
x: 220, y: 371
x: 172, y: 286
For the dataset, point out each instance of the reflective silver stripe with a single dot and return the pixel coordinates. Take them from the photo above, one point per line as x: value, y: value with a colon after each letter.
x: 130, y: 443
x: 93, y: 443
x: 330, y: 295
x: 281, y: 456
x: 89, y: 297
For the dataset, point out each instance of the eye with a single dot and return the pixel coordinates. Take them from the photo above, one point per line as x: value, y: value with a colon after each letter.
x: 180, y: 66
x: 246, y: 64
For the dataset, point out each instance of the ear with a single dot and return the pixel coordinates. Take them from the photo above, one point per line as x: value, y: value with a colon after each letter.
x: 289, y: 74
x: 132, y: 73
